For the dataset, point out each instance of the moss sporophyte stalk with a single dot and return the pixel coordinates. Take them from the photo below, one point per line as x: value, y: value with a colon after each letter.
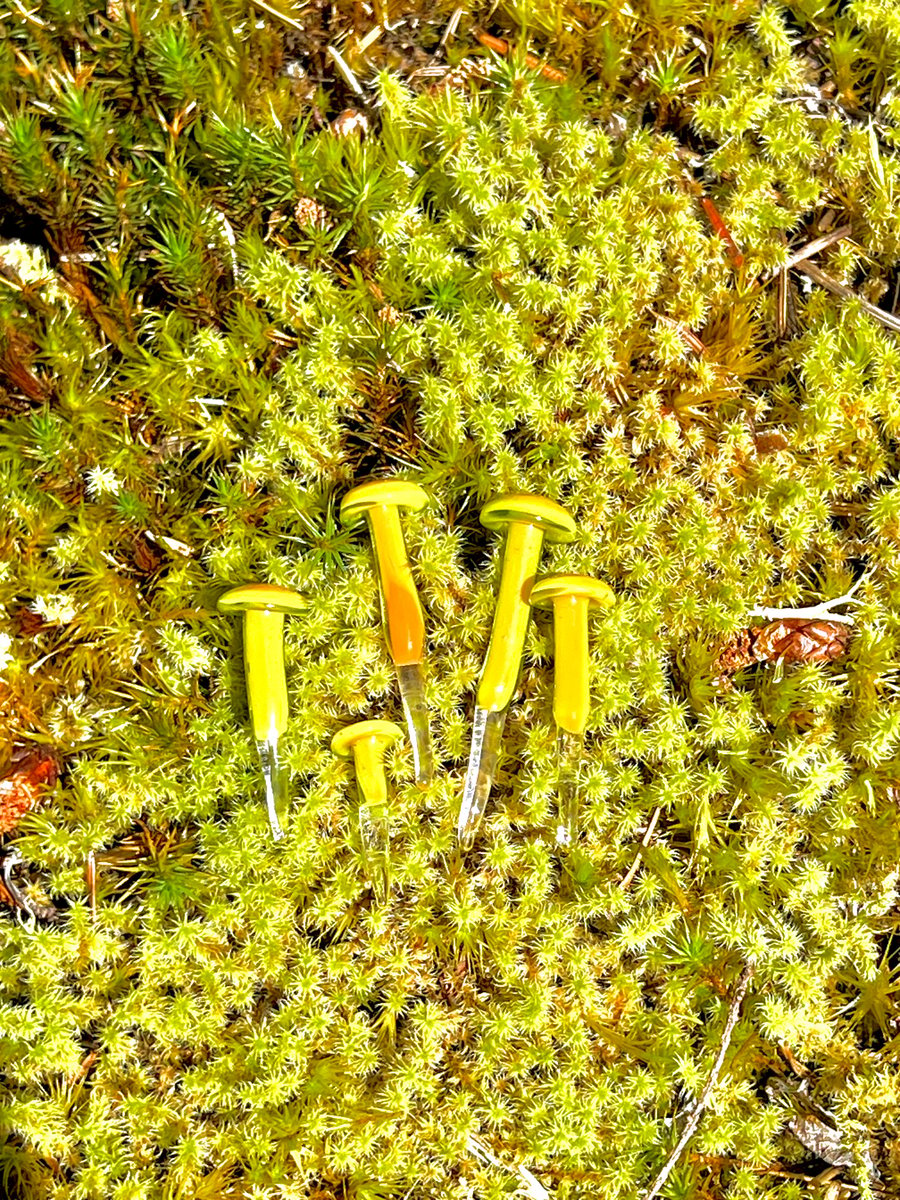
x: 653, y: 277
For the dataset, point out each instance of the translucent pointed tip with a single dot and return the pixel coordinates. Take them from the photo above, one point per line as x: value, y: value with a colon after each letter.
x: 276, y: 777
x: 412, y: 691
x: 569, y: 748
x: 487, y: 730
x: 375, y: 835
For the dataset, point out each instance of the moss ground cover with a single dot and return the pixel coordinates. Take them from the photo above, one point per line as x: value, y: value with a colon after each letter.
x: 219, y: 310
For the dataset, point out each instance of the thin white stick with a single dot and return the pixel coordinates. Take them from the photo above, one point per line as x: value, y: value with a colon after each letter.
x: 348, y: 75
x: 533, y: 1188
x: 693, y: 1120
x: 813, y: 611
x: 645, y: 840
x: 280, y: 15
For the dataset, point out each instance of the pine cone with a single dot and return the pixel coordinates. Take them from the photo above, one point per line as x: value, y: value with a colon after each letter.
x: 801, y: 639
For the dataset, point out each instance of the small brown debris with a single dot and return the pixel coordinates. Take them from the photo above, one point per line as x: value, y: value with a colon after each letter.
x: 388, y: 315
x: 147, y: 558
x: 736, y: 654
x: 17, y: 355
x: 32, y: 768
x: 770, y: 440
x: 501, y: 46
x: 13, y: 895
x: 309, y: 214
x: 456, y: 78
x: 350, y: 121
x: 29, y: 623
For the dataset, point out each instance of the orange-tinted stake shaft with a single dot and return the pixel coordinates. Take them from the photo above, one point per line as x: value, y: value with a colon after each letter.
x: 404, y: 622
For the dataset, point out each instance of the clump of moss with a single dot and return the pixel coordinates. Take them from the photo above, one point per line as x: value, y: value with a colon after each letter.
x: 217, y: 315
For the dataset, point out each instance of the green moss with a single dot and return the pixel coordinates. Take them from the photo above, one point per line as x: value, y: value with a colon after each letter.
x: 231, y: 316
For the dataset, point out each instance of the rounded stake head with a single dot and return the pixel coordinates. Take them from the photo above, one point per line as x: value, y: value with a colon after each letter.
x: 399, y: 493
x: 385, y: 732
x: 261, y: 597
x: 552, y: 518
x: 579, y: 587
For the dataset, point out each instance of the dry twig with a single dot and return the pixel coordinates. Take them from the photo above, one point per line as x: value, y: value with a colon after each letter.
x: 349, y: 78
x: 820, y: 243
x: 273, y: 12
x: 531, y: 1185
x: 823, y: 610
x: 696, y: 1113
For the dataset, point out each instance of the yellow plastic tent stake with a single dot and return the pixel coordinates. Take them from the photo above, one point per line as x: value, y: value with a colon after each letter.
x: 571, y: 596
x: 529, y: 519
x: 367, y: 741
x: 263, y: 606
x: 402, y: 618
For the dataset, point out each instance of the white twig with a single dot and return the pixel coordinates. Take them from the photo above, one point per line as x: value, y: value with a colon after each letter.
x: 814, y: 610
x: 693, y: 1120
x: 370, y: 39
x: 532, y: 1187
x: 449, y: 30
x: 645, y: 841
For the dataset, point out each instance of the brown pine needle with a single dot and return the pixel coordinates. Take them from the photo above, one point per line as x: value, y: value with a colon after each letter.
x: 840, y: 289
x: 501, y: 46
x: 820, y: 243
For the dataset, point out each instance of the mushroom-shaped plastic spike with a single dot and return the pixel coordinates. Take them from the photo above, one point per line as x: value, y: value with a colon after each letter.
x: 367, y: 741
x: 571, y: 597
x: 528, y: 520
x: 378, y: 504
x: 263, y: 606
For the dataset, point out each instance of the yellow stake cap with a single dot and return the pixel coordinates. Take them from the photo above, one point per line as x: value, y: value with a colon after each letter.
x: 377, y: 733
x: 261, y: 597
x: 552, y: 518
x: 396, y: 493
